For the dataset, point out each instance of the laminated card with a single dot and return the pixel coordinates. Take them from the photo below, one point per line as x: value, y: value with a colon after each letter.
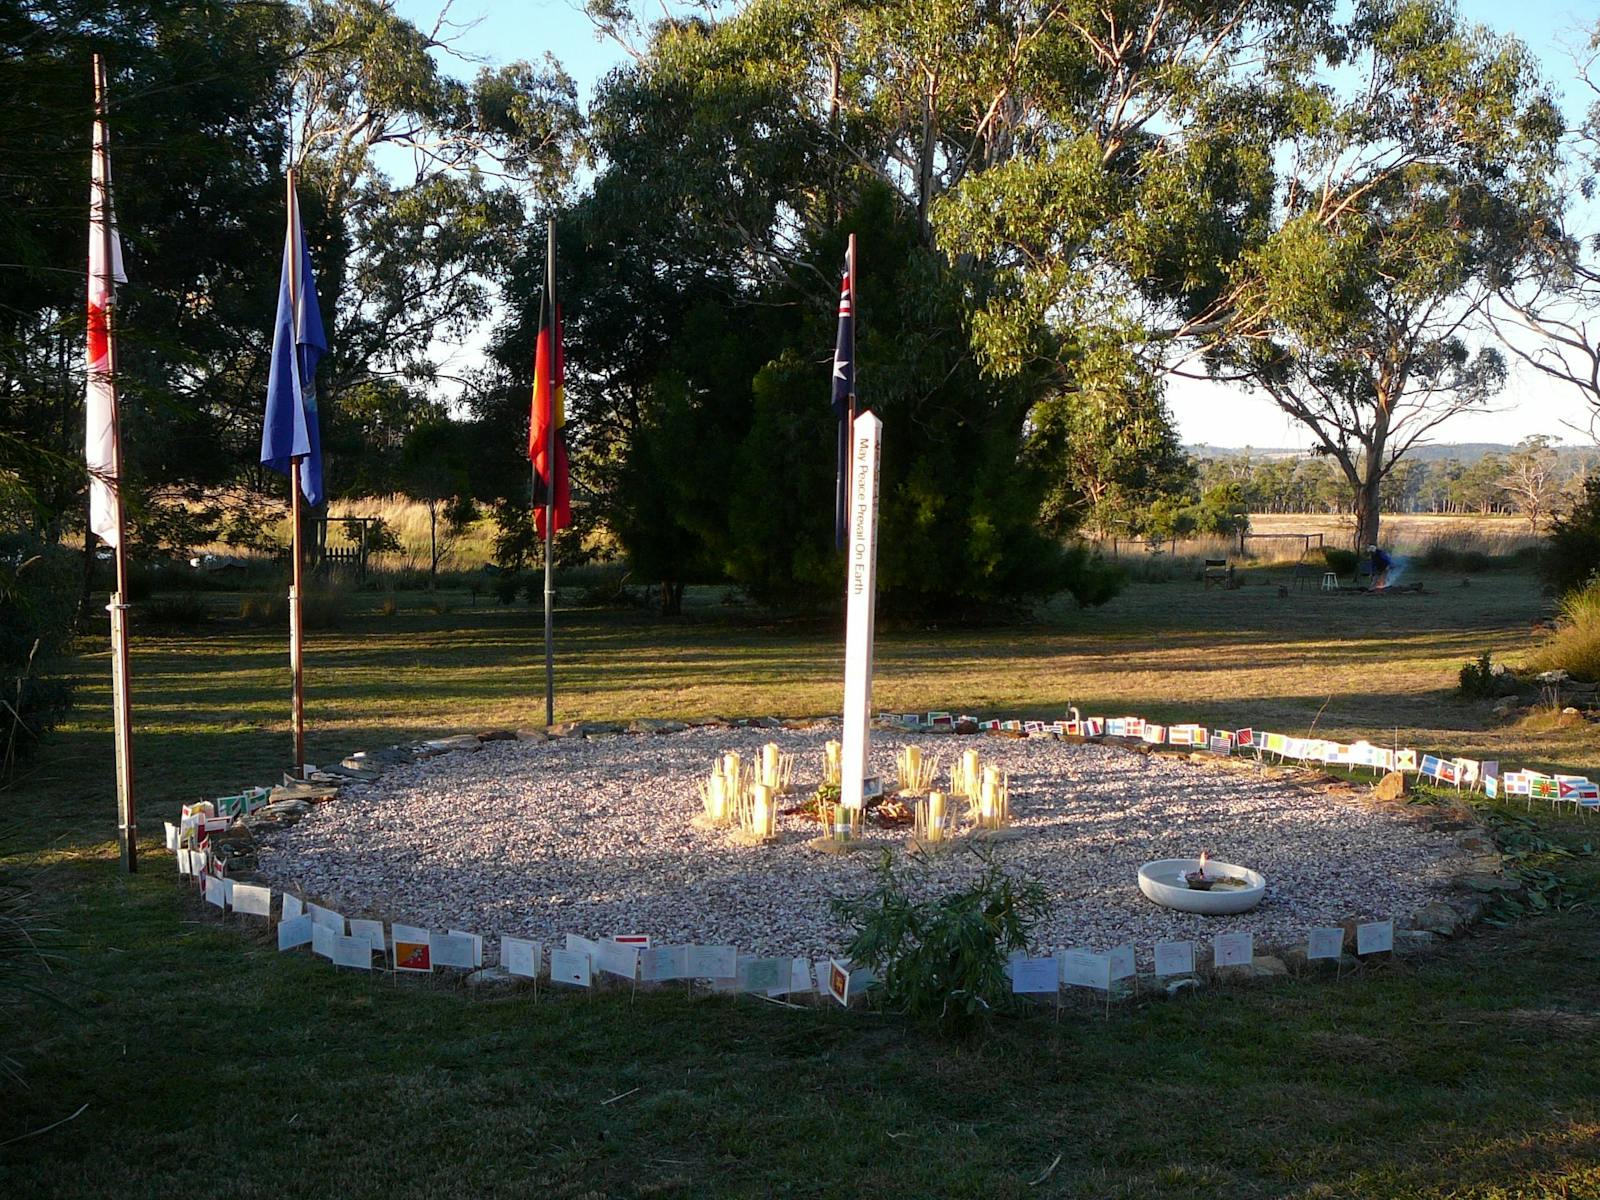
x: 1326, y: 942
x: 1122, y: 963
x: 617, y: 959
x: 477, y: 944
x: 1233, y: 949
x: 839, y: 981
x: 322, y: 939
x: 769, y: 975
x: 372, y: 931
x: 215, y: 893
x: 800, y: 980
x: 1033, y: 976
x: 1374, y: 937
x: 354, y: 951
x: 252, y: 900
x: 662, y: 963
x: 291, y: 906
x: 296, y: 931
x: 453, y: 950
x: 1174, y: 958
x: 521, y: 957
x: 1083, y: 968
x: 326, y: 917
x: 713, y: 962
x: 569, y: 966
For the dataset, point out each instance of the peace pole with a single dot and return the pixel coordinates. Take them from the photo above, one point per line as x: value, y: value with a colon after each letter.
x: 860, y: 605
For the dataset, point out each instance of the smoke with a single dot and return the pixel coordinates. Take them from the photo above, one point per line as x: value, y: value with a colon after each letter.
x: 1397, y: 568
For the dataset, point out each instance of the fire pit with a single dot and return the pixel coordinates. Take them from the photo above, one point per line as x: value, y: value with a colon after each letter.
x: 1202, y: 885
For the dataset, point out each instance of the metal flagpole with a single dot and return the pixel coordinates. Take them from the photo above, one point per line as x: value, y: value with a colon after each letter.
x: 550, y: 478
x: 122, y: 708
x: 295, y: 650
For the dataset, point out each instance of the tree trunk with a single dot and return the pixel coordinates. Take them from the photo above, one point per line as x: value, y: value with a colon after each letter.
x: 88, y: 569
x: 1367, y: 511
x: 671, y: 598
x: 433, y: 543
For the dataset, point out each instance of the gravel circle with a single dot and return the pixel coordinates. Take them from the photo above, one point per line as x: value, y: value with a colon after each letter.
x: 593, y: 837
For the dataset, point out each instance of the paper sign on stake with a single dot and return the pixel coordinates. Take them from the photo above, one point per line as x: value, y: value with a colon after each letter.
x: 520, y: 957
x: 354, y: 951
x: 452, y: 950
x: 1174, y: 958
x: 1083, y: 968
x: 291, y: 906
x: 569, y: 966
x: 1375, y: 937
x: 251, y: 900
x: 1035, y: 976
x: 172, y: 836
x: 764, y: 975
x: 1325, y: 942
x: 413, y: 949
x: 1233, y: 949
x: 322, y: 939
x: 477, y: 944
x: 327, y: 917
x: 839, y: 981
x: 583, y: 946
x: 800, y: 981
x: 713, y: 962
x: 617, y: 959
x: 216, y: 893
x: 1122, y: 963
x: 296, y: 931
x: 372, y: 931
x: 660, y: 964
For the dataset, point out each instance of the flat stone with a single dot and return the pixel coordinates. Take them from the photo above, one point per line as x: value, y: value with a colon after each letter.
x: 532, y: 735
x: 1477, y: 843
x: 1391, y: 787
x: 1478, y: 881
x: 311, y: 793
x: 491, y: 979
x: 566, y: 729
x: 498, y: 735
x: 1435, y: 917
x: 467, y: 742
x: 600, y: 728
x: 389, y: 756
x: 1415, y: 941
x: 286, y: 808
x: 340, y: 771
x: 1177, y: 986
x: 653, y: 725
x: 966, y: 727
x: 1267, y: 966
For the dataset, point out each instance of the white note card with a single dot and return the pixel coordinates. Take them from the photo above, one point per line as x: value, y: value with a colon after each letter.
x: 1174, y: 958
x: 354, y: 951
x: 569, y: 966
x: 216, y: 893
x: 372, y: 931
x: 800, y: 980
x: 662, y: 963
x: 291, y: 906
x: 477, y: 944
x: 1033, y: 976
x: 1374, y: 937
x: 1233, y: 949
x: 1082, y: 968
x: 326, y: 917
x: 1122, y: 963
x: 322, y: 939
x: 453, y: 950
x: 296, y: 931
x: 713, y: 962
x: 251, y: 900
x: 618, y: 959
x: 521, y: 957
x: 1325, y: 942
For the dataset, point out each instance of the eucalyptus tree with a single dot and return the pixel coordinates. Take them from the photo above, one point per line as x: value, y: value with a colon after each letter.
x: 1406, y: 196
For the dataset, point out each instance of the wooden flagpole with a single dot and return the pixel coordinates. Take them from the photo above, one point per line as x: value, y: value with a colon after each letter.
x: 550, y: 479
x: 296, y: 666
x: 122, y: 707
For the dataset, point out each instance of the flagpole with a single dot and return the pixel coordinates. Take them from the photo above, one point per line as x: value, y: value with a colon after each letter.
x: 855, y: 318
x: 122, y: 707
x: 295, y: 647
x: 550, y: 479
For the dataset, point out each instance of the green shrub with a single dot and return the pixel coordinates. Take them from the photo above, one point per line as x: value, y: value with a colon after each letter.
x: 943, y: 960
x: 389, y: 606
x: 39, y: 587
x: 321, y: 607
x: 1340, y: 561
x: 28, y: 949
x: 1477, y: 678
x: 1572, y: 555
x: 1575, y: 645
x: 182, y: 611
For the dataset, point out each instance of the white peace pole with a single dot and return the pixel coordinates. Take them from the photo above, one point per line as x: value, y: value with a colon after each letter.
x: 860, y: 603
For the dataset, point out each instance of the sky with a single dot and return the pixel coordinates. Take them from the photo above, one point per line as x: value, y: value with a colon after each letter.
x: 500, y: 31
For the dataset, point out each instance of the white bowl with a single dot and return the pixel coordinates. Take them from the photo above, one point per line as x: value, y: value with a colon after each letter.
x: 1162, y: 881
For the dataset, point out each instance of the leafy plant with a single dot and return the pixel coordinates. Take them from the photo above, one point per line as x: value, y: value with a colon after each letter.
x: 1477, y: 678
x: 943, y: 959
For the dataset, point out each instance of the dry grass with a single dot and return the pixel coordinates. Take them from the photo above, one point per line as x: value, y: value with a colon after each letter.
x: 1410, y: 533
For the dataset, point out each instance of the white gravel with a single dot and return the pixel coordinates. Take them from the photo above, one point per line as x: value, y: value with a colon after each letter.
x: 593, y: 837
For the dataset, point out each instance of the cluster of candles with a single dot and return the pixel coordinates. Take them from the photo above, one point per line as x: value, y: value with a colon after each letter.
x: 734, y: 796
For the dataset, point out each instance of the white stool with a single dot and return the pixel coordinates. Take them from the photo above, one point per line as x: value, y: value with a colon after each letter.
x: 1330, y: 581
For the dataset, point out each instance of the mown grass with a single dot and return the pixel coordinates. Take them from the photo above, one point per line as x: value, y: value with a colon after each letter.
x: 208, y: 1061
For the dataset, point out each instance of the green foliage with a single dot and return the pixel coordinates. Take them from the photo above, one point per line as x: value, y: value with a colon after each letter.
x: 1340, y: 561
x: 1575, y: 645
x: 30, y: 950
x: 38, y: 605
x: 943, y: 960
x: 321, y: 607
x: 1573, y: 553
x: 1476, y: 679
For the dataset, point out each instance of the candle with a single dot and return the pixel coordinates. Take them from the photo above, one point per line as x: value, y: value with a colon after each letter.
x: 935, y: 829
x: 718, y: 798
x: 761, y: 810
x: 969, y: 770
x: 986, y: 800
x: 913, y: 765
x: 769, y: 764
x: 730, y: 772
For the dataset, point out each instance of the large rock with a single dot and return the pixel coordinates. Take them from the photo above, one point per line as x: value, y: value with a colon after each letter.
x: 491, y: 979
x: 1415, y: 941
x: 1268, y: 966
x: 1391, y: 787
x: 654, y: 725
x: 498, y: 735
x: 1435, y: 917
x: 467, y: 743
x: 532, y: 735
x: 1480, y: 881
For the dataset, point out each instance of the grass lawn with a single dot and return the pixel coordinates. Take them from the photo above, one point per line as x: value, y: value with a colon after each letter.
x: 208, y: 1061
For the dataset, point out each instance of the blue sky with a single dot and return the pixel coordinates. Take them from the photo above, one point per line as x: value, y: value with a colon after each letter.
x: 505, y: 30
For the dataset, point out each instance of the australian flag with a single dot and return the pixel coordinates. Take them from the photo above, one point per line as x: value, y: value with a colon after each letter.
x: 844, y: 395
x: 289, y: 430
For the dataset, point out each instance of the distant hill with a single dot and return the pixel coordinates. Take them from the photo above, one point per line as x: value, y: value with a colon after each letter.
x: 1465, y: 452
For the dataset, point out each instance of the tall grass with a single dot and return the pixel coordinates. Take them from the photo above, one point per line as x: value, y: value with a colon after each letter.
x: 1575, y: 645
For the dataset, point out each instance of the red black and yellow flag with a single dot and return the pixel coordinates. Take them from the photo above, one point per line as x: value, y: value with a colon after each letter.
x: 549, y: 413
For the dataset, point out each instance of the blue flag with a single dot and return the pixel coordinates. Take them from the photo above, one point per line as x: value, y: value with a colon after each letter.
x: 844, y: 388
x: 290, y: 429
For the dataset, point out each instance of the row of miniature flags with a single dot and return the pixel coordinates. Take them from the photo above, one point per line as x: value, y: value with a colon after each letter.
x: 1469, y: 773
x: 1102, y: 971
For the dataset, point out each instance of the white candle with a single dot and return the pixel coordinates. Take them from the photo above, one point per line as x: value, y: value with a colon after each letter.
x: 769, y: 764
x: 761, y: 810
x: 935, y: 829
x: 719, y: 800
x: 986, y: 799
x: 913, y: 764
x: 969, y: 770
